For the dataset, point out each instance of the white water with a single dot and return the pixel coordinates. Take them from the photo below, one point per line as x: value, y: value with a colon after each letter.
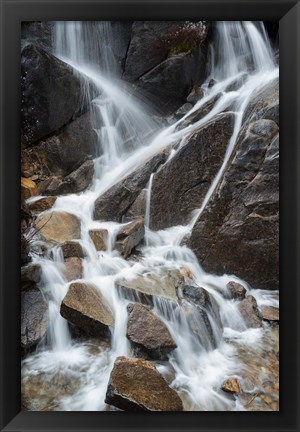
x: 127, y: 137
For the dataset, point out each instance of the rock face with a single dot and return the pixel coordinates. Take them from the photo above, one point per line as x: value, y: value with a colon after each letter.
x: 72, y: 249
x: 148, y: 333
x: 142, y: 288
x: 129, y: 237
x: 73, y: 268
x: 58, y: 226
x: 241, y: 218
x: 135, y: 385
x: 76, y: 182
x: 231, y: 385
x: 68, y: 148
x: 236, y: 290
x: 42, y: 204
x: 34, y: 318
x: 179, y: 187
x: 249, y: 311
x: 86, y: 308
x: 115, y: 202
x: 100, y: 238
x: 51, y: 93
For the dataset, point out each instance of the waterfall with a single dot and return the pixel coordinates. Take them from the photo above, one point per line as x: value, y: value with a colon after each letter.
x: 127, y: 137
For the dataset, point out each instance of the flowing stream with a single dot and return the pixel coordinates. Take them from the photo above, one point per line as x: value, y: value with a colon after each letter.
x: 127, y: 137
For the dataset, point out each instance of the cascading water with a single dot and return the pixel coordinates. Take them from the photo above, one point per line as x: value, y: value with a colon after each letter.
x: 127, y: 138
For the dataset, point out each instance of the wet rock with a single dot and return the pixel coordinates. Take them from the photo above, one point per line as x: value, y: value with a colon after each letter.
x: 231, y: 385
x: 42, y: 204
x: 72, y: 249
x: 76, y: 182
x: 58, y: 226
x: 237, y: 83
x: 115, y: 202
x: 184, y: 109
x: 138, y: 208
x: 197, y: 295
x: 73, y: 268
x: 270, y: 313
x: 236, y: 290
x: 99, y: 238
x: 30, y: 275
x: 180, y: 186
x: 135, y: 385
x: 249, y: 311
x: 34, y: 318
x: 212, y: 82
x: 28, y: 188
x: 142, y: 288
x: 242, y: 217
x: 196, y: 94
x: 68, y: 148
x: 85, y: 307
x: 51, y: 93
x: 129, y: 237
x: 148, y: 333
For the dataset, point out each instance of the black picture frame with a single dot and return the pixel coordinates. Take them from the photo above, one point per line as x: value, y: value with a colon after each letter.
x: 287, y: 12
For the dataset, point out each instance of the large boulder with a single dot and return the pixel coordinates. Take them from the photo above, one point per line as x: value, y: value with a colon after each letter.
x: 85, y: 307
x: 180, y: 186
x: 135, y: 385
x: 51, y: 93
x: 34, y: 318
x: 58, y: 227
x: 148, y: 334
x: 38, y: 32
x: 238, y: 231
x: 129, y: 236
x: 76, y: 182
x: 68, y: 148
x: 115, y: 202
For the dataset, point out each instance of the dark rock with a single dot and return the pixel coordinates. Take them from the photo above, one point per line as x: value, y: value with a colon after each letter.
x: 76, y: 182
x: 129, y: 237
x: 51, y: 93
x: 237, y: 83
x: 72, y: 249
x: 115, y: 202
x: 196, y: 94
x: 73, y: 268
x: 148, y: 333
x: 184, y: 109
x: 58, y: 226
x: 270, y: 313
x: 99, y: 238
x: 180, y: 186
x: 85, y: 307
x: 42, y: 204
x: 34, y: 318
x: 30, y: 275
x: 67, y: 149
x: 212, y: 82
x: 138, y: 208
x: 135, y: 385
x: 236, y: 290
x: 241, y: 218
x: 38, y: 32
x: 249, y: 311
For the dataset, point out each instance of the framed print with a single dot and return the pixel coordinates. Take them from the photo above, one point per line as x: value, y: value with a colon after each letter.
x: 152, y: 149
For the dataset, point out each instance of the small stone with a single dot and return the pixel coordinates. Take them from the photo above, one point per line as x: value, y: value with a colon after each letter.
x: 212, y: 82
x: 28, y: 188
x: 231, y: 385
x: 99, y: 238
x: 236, y: 290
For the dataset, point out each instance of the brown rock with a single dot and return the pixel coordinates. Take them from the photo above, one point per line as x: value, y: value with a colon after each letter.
x: 99, y: 238
x: 231, y: 385
x: 249, y: 311
x: 196, y: 94
x: 28, y: 188
x: 135, y: 385
x: 30, y: 275
x: 42, y: 204
x: 58, y: 226
x: 270, y: 313
x: 72, y: 249
x: 85, y: 307
x: 129, y: 237
x: 148, y: 333
x: 236, y: 290
x: 73, y: 268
